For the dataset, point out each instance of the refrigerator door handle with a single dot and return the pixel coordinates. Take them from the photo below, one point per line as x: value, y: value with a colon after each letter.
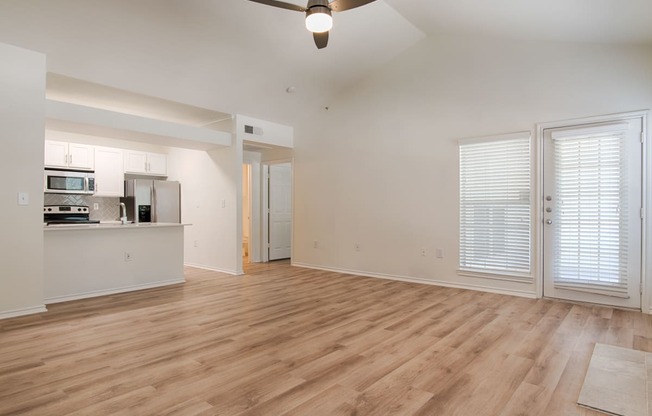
x: 153, y: 203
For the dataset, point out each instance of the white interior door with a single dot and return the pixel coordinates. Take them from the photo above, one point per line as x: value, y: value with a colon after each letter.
x: 280, y: 211
x: 592, y: 212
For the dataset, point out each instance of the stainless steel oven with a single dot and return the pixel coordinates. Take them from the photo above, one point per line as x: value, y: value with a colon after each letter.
x: 67, y: 215
x: 63, y: 181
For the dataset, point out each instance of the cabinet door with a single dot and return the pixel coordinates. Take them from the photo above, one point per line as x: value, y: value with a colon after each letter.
x: 56, y: 154
x: 109, y: 175
x: 135, y: 162
x: 157, y: 164
x: 81, y: 156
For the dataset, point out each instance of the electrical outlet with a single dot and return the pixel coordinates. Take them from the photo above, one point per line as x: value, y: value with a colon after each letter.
x: 128, y: 256
x: 196, y: 244
x: 423, y: 252
x: 96, y: 206
x: 357, y: 247
x: 440, y: 253
x: 314, y: 244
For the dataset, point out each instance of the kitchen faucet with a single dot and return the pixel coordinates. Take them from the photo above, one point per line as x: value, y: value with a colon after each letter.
x: 123, y: 213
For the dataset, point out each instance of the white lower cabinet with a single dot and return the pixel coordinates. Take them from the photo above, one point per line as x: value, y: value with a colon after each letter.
x: 109, y: 174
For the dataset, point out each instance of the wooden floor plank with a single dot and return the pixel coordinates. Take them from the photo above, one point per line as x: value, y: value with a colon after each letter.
x: 287, y: 340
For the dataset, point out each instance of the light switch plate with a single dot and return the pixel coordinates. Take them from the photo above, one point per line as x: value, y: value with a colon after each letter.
x: 23, y: 198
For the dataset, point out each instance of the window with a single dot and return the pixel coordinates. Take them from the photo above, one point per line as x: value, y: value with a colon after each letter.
x: 495, y: 206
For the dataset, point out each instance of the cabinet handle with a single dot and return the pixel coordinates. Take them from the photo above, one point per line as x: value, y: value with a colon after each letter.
x: 70, y: 160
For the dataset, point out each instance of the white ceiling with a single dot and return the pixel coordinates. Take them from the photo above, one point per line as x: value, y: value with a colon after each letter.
x: 601, y: 21
x: 236, y: 56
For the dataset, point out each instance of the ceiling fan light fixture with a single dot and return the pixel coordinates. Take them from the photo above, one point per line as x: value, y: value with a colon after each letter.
x: 319, y: 19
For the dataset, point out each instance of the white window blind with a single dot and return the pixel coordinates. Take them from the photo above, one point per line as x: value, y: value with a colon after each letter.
x: 495, y: 206
x: 591, y: 247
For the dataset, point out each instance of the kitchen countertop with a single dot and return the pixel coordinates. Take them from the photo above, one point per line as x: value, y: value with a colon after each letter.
x: 110, y: 225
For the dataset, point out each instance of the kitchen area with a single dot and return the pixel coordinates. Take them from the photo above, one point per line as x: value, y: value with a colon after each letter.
x: 111, y: 221
x: 52, y: 122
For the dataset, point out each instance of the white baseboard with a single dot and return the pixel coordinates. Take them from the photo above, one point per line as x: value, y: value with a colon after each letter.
x: 214, y: 269
x: 22, y: 312
x: 510, y: 292
x: 85, y: 295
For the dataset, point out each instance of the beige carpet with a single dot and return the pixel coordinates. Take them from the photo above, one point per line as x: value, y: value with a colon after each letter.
x: 618, y: 381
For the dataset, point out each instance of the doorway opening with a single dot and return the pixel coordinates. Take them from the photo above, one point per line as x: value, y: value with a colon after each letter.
x: 247, y: 239
x: 277, y: 224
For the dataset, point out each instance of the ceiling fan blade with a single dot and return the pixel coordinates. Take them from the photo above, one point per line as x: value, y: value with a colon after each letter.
x: 341, y: 5
x: 281, y: 4
x: 321, y: 39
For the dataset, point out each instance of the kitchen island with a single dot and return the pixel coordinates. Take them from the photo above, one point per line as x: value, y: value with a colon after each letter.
x: 90, y: 260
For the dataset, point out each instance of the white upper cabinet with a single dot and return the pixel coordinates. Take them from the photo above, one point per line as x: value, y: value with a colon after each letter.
x: 81, y: 156
x: 69, y: 155
x: 157, y: 164
x: 135, y: 162
x: 109, y: 174
x: 56, y: 154
x: 145, y: 163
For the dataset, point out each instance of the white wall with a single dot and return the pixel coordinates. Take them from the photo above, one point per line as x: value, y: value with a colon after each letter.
x: 270, y: 133
x: 276, y: 154
x: 22, y: 121
x: 380, y: 166
x: 211, y: 183
x: 89, y: 120
x: 65, y: 136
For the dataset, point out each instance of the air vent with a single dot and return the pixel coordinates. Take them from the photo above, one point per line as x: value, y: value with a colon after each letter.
x: 253, y: 130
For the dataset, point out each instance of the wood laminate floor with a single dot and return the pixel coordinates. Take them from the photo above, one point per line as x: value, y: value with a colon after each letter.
x: 290, y: 341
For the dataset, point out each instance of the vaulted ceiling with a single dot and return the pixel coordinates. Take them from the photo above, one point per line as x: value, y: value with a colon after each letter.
x: 236, y: 56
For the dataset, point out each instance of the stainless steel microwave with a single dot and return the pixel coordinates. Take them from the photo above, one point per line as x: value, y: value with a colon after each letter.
x: 63, y: 181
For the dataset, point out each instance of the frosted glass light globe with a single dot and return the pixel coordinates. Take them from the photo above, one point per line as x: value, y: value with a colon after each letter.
x: 319, y: 21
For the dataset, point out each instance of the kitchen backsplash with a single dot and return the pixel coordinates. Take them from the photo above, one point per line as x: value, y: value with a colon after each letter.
x: 108, y: 208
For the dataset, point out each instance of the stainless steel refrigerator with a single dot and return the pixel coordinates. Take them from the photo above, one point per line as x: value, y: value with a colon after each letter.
x: 152, y: 200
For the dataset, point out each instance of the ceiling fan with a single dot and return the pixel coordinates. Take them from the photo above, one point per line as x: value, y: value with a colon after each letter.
x: 318, y: 14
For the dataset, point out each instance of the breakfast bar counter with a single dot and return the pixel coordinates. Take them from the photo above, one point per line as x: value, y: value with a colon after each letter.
x: 90, y: 260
